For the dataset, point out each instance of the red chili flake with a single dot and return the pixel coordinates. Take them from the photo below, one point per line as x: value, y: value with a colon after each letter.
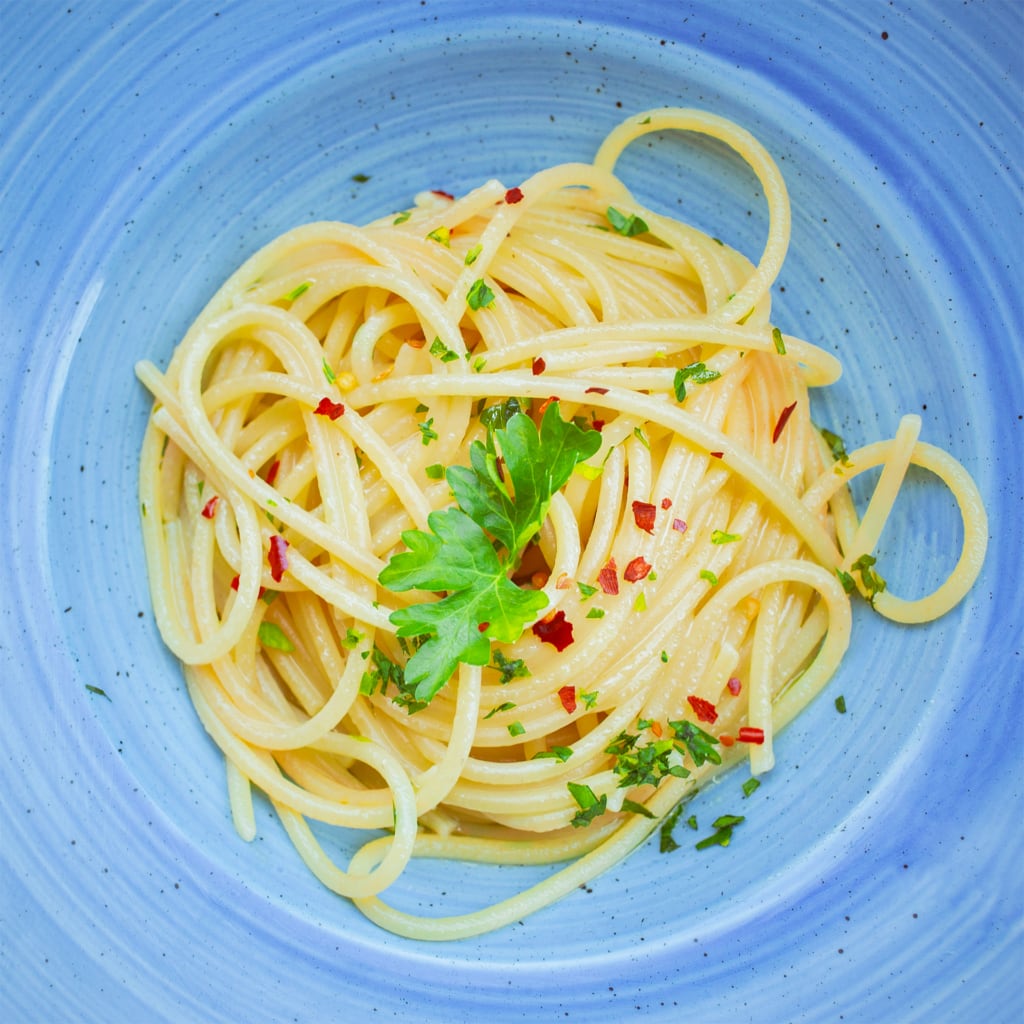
x: 734, y: 686
x: 703, y: 709
x: 483, y: 627
x: 679, y: 525
x: 598, y: 425
x: 555, y: 630
x: 783, y: 420
x: 547, y: 401
x: 210, y: 508
x: 235, y: 582
x: 726, y: 740
x: 514, y: 195
x: 643, y: 515
x: 538, y: 366
x: 275, y: 468
x: 563, y: 582
x: 596, y: 391
x: 656, y: 729
x: 666, y: 503
x: 637, y: 569
x: 441, y: 193
x: 329, y: 408
x: 567, y: 695
x: 278, y: 557
x: 608, y: 578
x: 717, y: 455
x: 748, y: 734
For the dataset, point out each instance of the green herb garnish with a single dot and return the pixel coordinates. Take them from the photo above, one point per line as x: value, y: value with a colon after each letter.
x: 721, y: 537
x: 510, y: 668
x: 695, y: 373
x: 836, y: 446
x: 507, y: 706
x: 722, y: 835
x: 472, y: 548
x: 873, y: 583
x: 442, y: 351
x: 273, y: 636
x: 699, y: 744
x: 427, y: 431
x: 626, y: 225
x: 590, y: 805
x: 479, y: 295
x: 561, y: 754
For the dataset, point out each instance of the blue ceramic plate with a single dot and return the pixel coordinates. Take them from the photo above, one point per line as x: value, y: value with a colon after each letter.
x: 147, y: 148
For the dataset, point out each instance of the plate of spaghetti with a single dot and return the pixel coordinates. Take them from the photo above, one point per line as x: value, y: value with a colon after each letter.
x: 515, y: 516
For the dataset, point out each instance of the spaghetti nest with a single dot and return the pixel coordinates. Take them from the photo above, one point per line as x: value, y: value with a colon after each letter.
x: 501, y: 524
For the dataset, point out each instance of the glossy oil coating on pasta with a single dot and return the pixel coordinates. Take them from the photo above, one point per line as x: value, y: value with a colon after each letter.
x: 705, y: 556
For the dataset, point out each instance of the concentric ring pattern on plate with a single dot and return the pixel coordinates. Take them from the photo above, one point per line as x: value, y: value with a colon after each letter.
x: 146, y: 149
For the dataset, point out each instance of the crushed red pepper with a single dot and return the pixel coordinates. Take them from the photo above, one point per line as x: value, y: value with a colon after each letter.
x: 644, y: 514
x: 329, y: 408
x: 783, y: 420
x: 555, y: 630
x: 514, y: 195
x: 703, y: 709
x: 567, y: 695
x: 538, y: 366
x: 637, y: 569
x: 608, y: 578
x: 278, y: 557
x: 210, y: 508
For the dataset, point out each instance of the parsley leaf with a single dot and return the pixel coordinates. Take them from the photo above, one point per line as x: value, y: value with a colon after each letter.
x: 699, y: 744
x: 626, y: 225
x: 696, y: 373
x: 471, y: 548
x: 873, y: 583
x: 591, y: 806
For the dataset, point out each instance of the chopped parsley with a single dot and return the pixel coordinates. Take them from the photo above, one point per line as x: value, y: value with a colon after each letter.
x: 590, y: 805
x: 628, y: 225
x: 722, y: 835
x: 873, y: 583
x: 695, y: 373
x: 273, y: 636
x: 510, y: 668
x: 479, y: 295
x: 507, y: 706
x: 442, y: 351
x: 836, y: 446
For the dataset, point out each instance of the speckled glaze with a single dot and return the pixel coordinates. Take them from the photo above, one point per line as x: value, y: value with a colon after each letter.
x: 147, y: 148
